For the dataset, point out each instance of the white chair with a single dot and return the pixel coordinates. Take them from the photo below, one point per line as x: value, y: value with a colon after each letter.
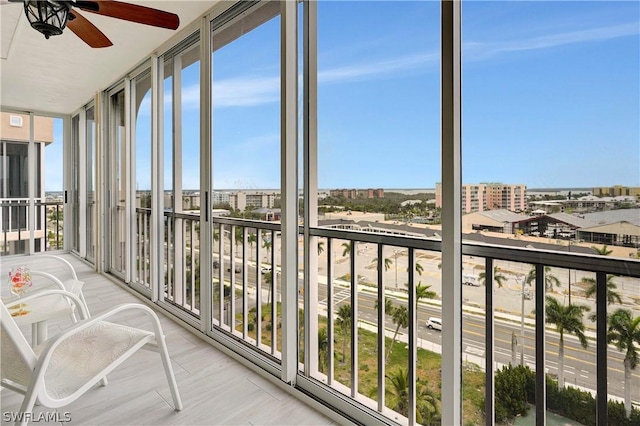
x: 45, y: 309
x: 63, y: 368
x: 63, y: 271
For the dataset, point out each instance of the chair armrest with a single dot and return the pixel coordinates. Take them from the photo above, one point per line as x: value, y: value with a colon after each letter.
x: 52, y: 277
x: 64, y: 261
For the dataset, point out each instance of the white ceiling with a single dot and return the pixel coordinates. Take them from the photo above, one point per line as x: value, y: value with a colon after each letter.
x: 62, y: 73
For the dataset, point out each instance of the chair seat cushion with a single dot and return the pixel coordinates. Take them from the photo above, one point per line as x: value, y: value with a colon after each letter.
x: 86, y: 354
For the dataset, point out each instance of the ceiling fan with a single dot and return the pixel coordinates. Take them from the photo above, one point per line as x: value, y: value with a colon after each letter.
x: 50, y: 17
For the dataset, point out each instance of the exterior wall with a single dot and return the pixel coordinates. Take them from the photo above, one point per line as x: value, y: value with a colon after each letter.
x: 255, y: 200
x: 43, y: 128
x: 489, y: 196
x: 617, y: 191
x: 351, y: 194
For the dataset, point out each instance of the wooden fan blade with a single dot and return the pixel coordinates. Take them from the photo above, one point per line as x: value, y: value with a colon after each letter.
x: 134, y: 13
x: 87, y: 32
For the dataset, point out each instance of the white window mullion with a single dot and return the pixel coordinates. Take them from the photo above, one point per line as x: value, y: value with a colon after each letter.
x: 206, y: 173
x: 157, y: 181
x: 289, y: 185
x: 310, y: 87
x: 451, y: 214
x: 178, y: 228
x: 31, y: 208
x: 82, y: 182
x: 129, y: 188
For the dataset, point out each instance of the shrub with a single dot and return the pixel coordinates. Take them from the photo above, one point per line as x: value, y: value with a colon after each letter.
x: 512, y: 386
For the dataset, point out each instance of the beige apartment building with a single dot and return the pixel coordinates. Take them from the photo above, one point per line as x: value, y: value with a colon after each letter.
x: 489, y: 196
x: 617, y: 191
x: 14, y: 178
x: 353, y: 193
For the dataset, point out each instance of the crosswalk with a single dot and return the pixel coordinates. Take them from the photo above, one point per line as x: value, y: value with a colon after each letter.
x: 340, y: 296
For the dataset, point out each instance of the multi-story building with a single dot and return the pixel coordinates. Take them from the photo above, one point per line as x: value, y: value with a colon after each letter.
x: 353, y: 193
x: 489, y: 196
x: 617, y: 191
x: 220, y: 197
x: 243, y: 200
x: 15, y: 131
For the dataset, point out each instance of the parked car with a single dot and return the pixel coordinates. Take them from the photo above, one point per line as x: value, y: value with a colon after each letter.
x: 468, y: 279
x: 237, y: 268
x: 265, y: 269
x: 434, y: 324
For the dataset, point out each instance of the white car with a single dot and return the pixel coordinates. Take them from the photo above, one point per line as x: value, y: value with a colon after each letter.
x: 265, y: 269
x: 434, y: 324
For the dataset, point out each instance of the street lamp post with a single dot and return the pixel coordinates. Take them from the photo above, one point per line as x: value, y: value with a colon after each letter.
x: 521, y: 321
x: 569, y: 275
x: 395, y: 262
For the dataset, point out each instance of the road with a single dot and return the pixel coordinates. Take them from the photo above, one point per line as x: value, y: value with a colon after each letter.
x: 580, y: 364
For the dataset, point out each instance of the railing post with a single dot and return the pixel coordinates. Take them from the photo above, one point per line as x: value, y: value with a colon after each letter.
x: 541, y: 380
x: 602, y: 404
x: 489, y: 403
x: 381, y: 329
x: 354, y: 319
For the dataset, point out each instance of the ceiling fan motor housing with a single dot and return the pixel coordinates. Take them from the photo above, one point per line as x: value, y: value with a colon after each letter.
x: 48, y: 17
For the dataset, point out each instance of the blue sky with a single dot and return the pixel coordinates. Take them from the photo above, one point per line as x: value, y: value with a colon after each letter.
x: 551, y: 97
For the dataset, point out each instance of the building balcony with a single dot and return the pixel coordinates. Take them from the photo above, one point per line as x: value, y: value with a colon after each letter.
x: 362, y: 281
x: 260, y: 95
x: 215, y: 387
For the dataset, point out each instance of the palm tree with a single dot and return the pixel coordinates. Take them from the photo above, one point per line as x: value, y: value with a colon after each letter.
x: 612, y: 295
x: 497, y: 277
x: 423, y: 292
x: 602, y: 251
x: 323, y: 349
x: 387, y: 263
x: 567, y: 318
x: 320, y: 247
x: 549, y: 279
x: 400, y: 317
x: 347, y: 249
x: 397, y: 394
x: 388, y: 306
x: 419, y: 268
x: 397, y: 397
x: 427, y: 411
x: 344, y: 322
x: 624, y: 333
x: 267, y: 244
x: 251, y: 239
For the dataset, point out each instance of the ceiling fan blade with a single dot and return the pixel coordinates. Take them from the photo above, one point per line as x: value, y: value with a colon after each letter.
x: 132, y: 12
x: 87, y: 32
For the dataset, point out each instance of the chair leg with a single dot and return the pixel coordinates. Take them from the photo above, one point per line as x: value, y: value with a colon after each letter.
x: 28, y: 403
x: 168, y: 369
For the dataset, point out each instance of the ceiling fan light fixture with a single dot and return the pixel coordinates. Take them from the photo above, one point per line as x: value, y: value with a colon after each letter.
x: 48, y: 17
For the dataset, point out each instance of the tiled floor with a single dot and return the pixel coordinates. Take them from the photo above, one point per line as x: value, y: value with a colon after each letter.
x: 215, y: 389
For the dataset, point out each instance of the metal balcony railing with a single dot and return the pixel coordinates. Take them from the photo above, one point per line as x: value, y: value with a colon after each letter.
x: 48, y: 230
x: 366, y: 306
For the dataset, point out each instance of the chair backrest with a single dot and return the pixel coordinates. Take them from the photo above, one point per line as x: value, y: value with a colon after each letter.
x: 18, y: 360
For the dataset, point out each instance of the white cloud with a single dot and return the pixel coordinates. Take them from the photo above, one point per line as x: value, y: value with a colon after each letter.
x: 253, y: 91
x: 478, y: 50
x: 377, y: 69
x: 246, y: 91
